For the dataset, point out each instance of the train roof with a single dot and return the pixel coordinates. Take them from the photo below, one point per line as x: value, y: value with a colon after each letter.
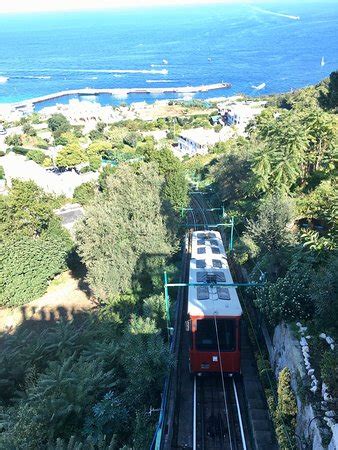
x: 209, y: 263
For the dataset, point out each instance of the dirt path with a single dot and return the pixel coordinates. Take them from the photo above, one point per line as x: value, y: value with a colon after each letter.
x: 63, y: 299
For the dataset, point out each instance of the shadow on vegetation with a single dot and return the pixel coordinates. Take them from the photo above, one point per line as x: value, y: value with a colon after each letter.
x: 57, y: 373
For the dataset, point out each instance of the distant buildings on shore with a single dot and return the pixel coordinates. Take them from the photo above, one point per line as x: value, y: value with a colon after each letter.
x: 233, y: 115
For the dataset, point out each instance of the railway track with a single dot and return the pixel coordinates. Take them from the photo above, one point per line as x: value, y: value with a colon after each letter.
x: 218, y: 423
x: 208, y: 414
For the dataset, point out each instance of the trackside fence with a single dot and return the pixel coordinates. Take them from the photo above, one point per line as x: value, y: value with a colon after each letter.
x: 169, y: 388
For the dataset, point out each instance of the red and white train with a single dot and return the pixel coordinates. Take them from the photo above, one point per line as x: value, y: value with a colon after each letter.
x: 214, y: 311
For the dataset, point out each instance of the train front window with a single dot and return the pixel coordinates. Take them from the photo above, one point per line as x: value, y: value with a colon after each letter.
x: 206, y: 339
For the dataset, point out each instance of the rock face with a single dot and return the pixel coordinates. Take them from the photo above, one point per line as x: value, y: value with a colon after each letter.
x: 286, y: 351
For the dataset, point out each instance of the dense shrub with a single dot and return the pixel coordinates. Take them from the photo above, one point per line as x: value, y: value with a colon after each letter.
x: 84, y: 193
x: 28, y: 263
x: 37, y: 156
x: 289, y: 298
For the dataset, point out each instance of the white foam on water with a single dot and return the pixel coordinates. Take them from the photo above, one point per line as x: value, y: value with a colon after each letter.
x: 267, y: 11
x: 3, y: 80
x: 159, y: 81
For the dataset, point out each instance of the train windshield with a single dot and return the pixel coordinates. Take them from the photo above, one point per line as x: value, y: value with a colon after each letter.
x: 206, y: 339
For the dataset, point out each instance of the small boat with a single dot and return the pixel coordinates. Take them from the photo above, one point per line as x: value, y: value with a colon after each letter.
x: 322, y: 62
x: 259, y: 87
x: 165, y: 61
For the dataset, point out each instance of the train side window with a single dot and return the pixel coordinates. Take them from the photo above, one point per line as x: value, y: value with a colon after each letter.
x: 201, y: 250
x: 205, y: 336
x: 200, y: 263
x: 215, y: 250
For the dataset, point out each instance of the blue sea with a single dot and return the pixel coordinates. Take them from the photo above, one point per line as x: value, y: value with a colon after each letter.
x: 277, y: 43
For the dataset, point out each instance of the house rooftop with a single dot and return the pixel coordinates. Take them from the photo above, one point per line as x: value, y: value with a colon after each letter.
x: 201, y: 136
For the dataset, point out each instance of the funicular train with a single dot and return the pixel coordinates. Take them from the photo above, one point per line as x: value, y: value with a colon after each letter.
x: 214, y: 311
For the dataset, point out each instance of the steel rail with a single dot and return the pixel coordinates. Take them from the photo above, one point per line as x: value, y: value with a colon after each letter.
x: 239, y: 414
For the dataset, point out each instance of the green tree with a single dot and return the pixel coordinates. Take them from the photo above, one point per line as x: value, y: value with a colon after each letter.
x: 269, y: 232
x: 70, y: 156
x: 329, y: 98
x: 85, y: 193
x: 176, y: 185
x: 27, y: 209
x: 58, y: 124
x: 27, y: 263
x: 321, y: 136
x: 278, y: 164
x: 13, y: 140
x: 121, y: 227
x: 37, y: 156
x: 28, y: 129
x: 146, y: 370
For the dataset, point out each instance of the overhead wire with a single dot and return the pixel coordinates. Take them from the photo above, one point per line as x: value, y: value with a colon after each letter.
x: 223, y: 384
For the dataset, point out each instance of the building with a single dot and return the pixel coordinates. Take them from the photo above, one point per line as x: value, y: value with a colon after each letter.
x: 239, y: 114
x: 197, y: 141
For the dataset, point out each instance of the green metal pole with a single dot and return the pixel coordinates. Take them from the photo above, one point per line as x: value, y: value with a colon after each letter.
x: 231, y: 246
x: 167, y: 300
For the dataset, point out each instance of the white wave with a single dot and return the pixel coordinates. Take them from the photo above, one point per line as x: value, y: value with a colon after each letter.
x: 3, y: 80
x: 38, y: 77
x: 122, y: 71
x: 160, y: 81
x: 116, y: 75
x: 267, y: 11
x: 160, y: 72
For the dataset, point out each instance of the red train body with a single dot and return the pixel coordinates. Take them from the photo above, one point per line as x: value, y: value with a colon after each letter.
x: 214, y: 311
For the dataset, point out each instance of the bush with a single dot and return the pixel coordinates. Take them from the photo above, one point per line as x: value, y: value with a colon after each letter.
x: 2, y: 173
x: 28, y: 129
x: 59, y: 124
x: 131, y: 139
x: 84, y: 193
x: 28, y: 263
x: 2, y: 153
x: 37, y: 156
x: 289, y: 298
x: 14, y: 140
x: 20, y: 150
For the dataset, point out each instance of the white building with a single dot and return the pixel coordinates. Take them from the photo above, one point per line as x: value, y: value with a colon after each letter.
x: 197, y: 141
x: 240, y: 113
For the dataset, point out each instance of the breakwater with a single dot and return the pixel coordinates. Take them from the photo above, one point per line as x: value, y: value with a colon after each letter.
x: 123, y: 92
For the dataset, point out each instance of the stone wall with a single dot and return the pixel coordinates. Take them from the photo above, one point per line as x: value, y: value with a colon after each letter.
x: 285, y: 351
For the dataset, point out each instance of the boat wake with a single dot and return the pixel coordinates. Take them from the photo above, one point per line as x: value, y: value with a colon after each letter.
x: 267, y: 11
x: 160, y: 81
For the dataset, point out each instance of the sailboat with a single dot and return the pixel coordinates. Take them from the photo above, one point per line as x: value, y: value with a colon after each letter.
x: 322, y: 62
